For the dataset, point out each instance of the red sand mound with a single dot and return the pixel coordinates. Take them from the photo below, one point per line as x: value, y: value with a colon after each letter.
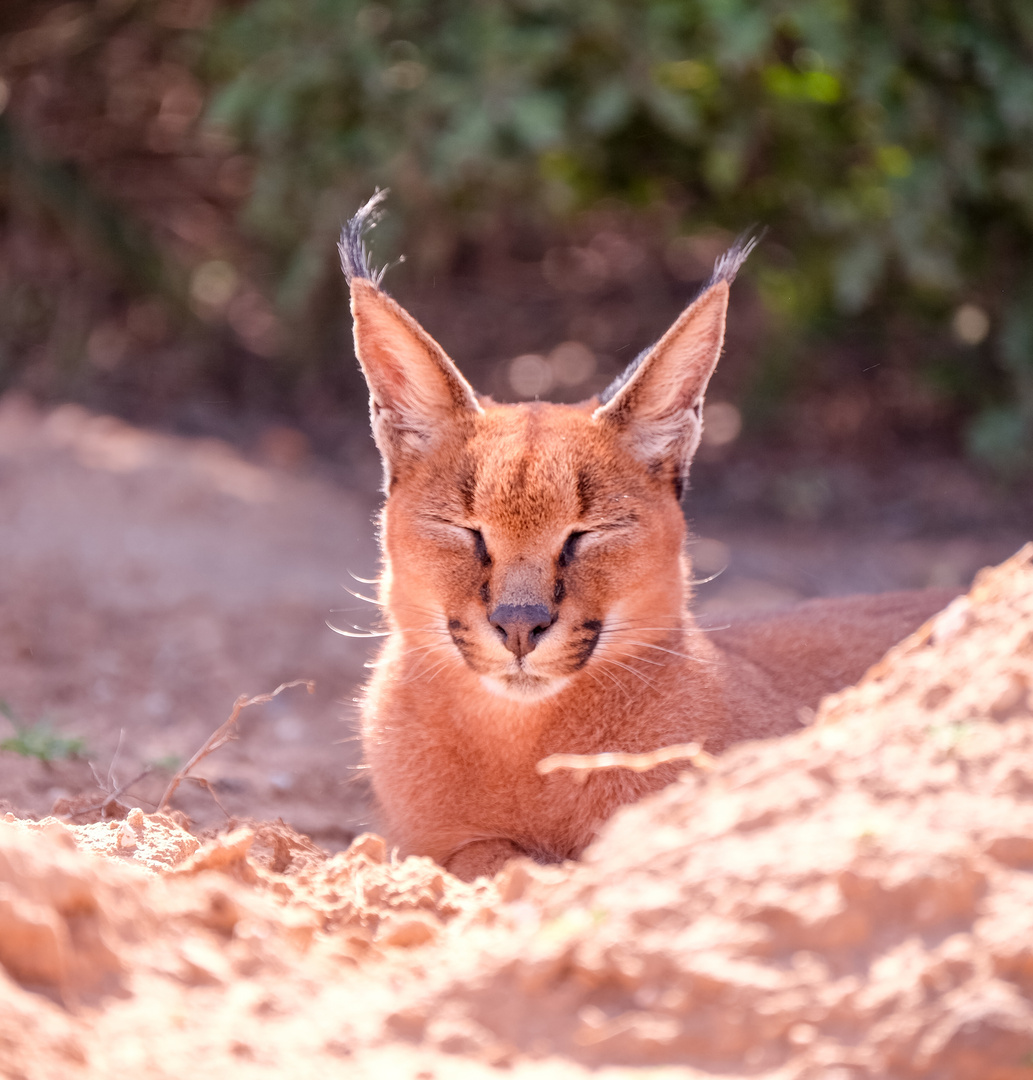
x: 852, y: 901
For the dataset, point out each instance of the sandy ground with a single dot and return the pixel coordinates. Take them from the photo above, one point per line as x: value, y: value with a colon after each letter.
x: 852, y: 901
x: 145, y: 582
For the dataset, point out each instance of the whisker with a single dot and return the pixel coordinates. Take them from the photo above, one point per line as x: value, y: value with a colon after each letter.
x: 628, y: 667
x: 643, y: 659
x: 694, y: 630
x: 660, y: 648
x: 418, y: 609
x: 359, y: 596
x: 429, y: 676
x: 340, y: 610
x: 417, y: 649
x: 613, y: 678
x: 360, y: 634
x: 364, y: 580
x: 397, y: 608
x: 673, y: 618
x: 593, y: 678
x: 421, y: 664
x: 705, y: 580
x: 685, y: 656
x: 406, y: 652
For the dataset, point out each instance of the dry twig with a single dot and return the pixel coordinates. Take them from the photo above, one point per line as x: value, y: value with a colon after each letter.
x: 201, y: 782
x: 582, y: 764
x: 224, y: 734
x: 113, y: 790
x: 113, y: 794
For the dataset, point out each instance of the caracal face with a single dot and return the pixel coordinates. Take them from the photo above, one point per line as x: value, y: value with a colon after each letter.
x: 527, y: 544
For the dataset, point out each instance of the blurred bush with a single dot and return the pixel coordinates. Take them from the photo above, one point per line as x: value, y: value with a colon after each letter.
x: 887, y: 145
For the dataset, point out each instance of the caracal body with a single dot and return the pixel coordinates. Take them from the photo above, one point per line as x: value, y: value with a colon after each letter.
x: 536, y: 589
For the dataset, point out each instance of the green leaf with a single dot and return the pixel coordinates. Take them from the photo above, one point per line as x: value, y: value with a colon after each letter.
x: 41, y: 742
x: 607, y: 108
x: 538, y: 119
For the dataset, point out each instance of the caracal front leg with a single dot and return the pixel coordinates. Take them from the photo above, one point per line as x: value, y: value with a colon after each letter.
x: 482, y: 858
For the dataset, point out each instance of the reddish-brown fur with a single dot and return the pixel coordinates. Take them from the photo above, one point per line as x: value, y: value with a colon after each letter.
x: 483, y: 500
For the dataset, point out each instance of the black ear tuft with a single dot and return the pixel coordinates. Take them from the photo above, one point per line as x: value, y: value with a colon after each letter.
x: 355, y: 258
x: 730, y: 263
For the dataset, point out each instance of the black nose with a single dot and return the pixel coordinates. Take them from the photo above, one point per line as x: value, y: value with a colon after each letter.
x: 521, y: 626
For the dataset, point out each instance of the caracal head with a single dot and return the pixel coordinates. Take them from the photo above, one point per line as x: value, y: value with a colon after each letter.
x: 529, y: 543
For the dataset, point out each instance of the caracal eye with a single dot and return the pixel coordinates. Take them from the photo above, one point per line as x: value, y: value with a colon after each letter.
x: 480, y: 547
x: 569, y: 550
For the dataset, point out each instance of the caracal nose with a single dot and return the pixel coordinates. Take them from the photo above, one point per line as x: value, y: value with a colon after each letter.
x: 521, y: 626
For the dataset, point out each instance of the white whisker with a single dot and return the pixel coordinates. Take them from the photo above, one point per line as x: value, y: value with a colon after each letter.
x: 416, y: 649
x: 359, y: 596
x: 705, y: 580
x: 359, y: 633
x: 429, y: 676
x: 659, y: 648
x: 613, y: 678
x: 617, y: 627
x: 642, y: 659
x: 628, y: 667
x: 593, y: 678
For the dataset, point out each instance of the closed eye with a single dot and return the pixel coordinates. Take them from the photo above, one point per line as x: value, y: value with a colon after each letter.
x: 569, y: 550
x: 480, y: 547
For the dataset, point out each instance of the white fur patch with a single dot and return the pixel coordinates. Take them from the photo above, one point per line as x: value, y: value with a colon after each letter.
x: 531, y: 690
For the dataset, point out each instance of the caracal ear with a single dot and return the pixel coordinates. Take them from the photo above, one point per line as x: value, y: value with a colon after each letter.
x: 416, y: 393
x: 657, y: 403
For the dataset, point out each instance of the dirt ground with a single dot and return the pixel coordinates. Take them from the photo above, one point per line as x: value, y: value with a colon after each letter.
x: 145, y: 582
x: 855, y: 900
x: 852, y: 901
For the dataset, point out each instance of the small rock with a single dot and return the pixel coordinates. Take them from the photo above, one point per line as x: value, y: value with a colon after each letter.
x: 1015, y: 850
x: 1012, y: 698
x: 802, y: 1034
x: 952, y: 620
x: 406, y: 932
x: 512, y: 882
x: 370, y: 845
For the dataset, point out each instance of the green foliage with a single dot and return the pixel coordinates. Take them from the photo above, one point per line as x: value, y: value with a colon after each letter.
x: 64, y: 190
x: 39, y: 740
x: 888, y: 145
x: 167, y: 763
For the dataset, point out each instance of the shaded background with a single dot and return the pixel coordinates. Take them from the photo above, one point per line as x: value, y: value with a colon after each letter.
x: 173, y: 174
x: 186, y: 471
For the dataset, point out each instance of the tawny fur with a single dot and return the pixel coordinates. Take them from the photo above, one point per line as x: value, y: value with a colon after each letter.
x: 574, y: 510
